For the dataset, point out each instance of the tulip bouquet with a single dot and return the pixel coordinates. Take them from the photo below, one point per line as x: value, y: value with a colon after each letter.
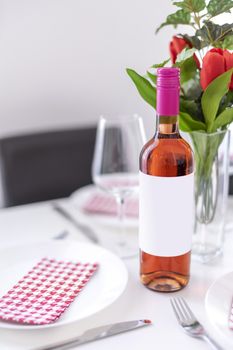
x: 206, y: 98
x: 205, y: 63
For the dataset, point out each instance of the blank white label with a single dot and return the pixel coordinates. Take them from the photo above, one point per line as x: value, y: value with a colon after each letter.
x: 166, y: 214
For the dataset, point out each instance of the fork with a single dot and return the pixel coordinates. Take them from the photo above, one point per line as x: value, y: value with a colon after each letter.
x: 189, y: 322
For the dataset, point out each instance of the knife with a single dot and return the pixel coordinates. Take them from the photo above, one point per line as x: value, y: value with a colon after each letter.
x: 89, y: 233
x: 98, y: 333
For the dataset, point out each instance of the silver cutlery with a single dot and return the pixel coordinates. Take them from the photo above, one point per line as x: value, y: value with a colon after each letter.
x: 61, y: 235
x: 97, y: 334
x: 86, y: 230
x: 189, y: 323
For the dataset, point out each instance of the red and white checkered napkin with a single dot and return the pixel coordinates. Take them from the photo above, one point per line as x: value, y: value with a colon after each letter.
x: 42, y: 295
x: 101, y: 204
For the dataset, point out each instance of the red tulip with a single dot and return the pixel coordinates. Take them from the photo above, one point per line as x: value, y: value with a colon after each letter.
x: 176, y: 46
x: 229, y: 64
x: 215, y: 63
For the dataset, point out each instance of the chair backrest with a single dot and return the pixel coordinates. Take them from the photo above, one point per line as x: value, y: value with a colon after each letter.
x: 44, y: 166
x: 231, y: 185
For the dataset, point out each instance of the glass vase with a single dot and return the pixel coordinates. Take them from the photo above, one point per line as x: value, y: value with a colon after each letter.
x: 211, y: 191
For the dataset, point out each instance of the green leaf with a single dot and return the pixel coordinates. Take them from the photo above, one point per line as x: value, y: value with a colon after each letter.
x: 225, y: 118
x: 228, y: 43
x: 184, y: 54
x: 194, y: 41
x: 227, y: 101
x: 192, y: 89
x: 152, y: 77
x: 144, y: 87
x: 187, y: 123
x: 159, y: 65
x: 179, y: 17
x: 191, y: 5
x: 229, y: 98
x: 215, y: 7
x: 213, y: 33
x: 189, y: 106
x: 187, y: 65
x: 212, y: 96
x: 188, y: 69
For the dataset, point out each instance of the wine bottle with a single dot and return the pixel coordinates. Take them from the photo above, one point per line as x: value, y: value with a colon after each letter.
x: 166, y: 198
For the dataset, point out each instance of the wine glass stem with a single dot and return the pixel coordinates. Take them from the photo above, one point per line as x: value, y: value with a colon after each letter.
x: 121, y: 216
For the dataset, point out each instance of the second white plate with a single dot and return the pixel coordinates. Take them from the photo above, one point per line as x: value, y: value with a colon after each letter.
x: 218, y: 302
x: 79, y: 198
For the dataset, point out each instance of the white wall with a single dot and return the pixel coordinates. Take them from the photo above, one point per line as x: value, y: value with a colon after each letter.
x: 62, y: 62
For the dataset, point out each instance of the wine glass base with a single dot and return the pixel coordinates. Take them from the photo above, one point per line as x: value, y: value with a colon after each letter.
x: 126, y: 251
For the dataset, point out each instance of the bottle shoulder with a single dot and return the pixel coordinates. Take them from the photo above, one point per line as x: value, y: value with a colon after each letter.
x: 166, y: 145
x: 167, y: 157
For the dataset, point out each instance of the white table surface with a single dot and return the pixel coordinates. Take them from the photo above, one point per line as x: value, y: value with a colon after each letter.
x: 36, y: 222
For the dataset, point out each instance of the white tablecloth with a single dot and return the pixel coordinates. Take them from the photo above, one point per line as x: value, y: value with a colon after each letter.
x: 35, y: 222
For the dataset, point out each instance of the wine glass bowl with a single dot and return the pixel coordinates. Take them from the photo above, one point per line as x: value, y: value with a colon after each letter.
x: 116, y: 160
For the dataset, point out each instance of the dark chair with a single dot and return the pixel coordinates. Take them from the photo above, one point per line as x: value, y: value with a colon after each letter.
x: 44, y: 166
x: 231, y: 185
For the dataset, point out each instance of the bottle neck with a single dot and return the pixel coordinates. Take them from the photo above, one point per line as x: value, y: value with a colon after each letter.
x: 167, y: 125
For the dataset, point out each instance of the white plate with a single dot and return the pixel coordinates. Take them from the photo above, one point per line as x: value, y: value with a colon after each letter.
x: 79, y: 198
x: 218, y: 302
x: 101, y: 291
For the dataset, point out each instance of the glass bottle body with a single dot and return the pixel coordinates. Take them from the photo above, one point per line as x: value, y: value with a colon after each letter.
x: 167, y: 154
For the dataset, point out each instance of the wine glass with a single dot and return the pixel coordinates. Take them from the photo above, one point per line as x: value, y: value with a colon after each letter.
x: 116, y: 165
